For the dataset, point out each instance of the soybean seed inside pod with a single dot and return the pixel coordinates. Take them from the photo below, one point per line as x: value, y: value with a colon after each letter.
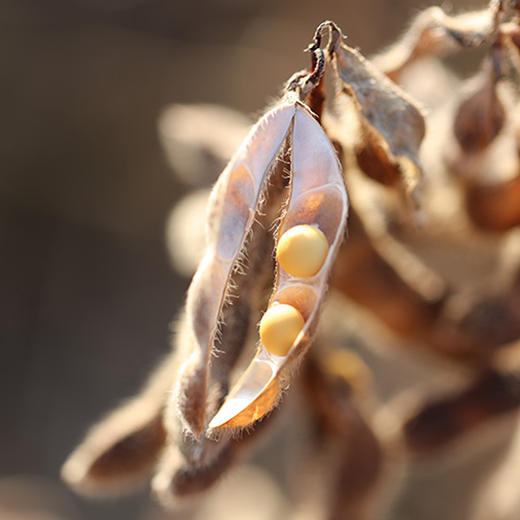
x: 279, y: 327
x: 302, y: 250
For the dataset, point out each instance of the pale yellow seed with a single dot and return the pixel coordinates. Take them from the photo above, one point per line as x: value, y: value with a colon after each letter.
x: 279, y: 327
x: 302, y: 250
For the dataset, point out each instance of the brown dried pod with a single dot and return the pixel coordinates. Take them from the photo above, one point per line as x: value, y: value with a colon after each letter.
x: 180, y: 479
x: 443, y: 422
x: 480, y: 116
x: 364, y: 275
x: 120, y: 452
x: 198, y: 140
x: 392, y: 127
x: 331, y: 384
x: 332, y: 387
x: 493, y: 207
x: 312, y: 199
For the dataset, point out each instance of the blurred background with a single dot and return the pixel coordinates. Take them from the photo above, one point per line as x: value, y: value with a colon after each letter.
x: 87, y: 292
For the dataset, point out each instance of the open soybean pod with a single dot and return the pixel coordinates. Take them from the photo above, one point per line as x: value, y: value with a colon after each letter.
x: 233, y: 204
x: 317, y: 204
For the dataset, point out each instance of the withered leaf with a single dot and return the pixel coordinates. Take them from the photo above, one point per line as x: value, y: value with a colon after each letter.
x: 480, y: 116
x: 392, y: 125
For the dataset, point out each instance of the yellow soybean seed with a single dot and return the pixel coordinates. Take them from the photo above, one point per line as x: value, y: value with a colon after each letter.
x: 279, y: 327
x: 302, y: 250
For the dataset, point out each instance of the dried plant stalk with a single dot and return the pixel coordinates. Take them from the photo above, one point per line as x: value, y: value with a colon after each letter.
x: 333, y: 386
x: 366, y: 277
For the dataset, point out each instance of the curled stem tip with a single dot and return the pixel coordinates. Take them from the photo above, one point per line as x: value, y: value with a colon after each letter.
x: 304, y: 82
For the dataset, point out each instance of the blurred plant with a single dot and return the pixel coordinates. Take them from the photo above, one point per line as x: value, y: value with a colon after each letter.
x: 414, y: 358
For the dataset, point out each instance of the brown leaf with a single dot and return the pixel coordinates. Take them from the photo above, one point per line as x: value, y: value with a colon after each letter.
x: 392, y: 127
x: 317, y: 198
x: 330, y: 386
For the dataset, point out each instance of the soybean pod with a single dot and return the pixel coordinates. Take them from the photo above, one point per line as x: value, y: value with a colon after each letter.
x: 317, y: 202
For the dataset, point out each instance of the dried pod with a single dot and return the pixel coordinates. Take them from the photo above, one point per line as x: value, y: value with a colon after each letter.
x: 330, y: 385
x: 392, y: 126
x: 357, y: 487
x: 121, y: 451
x: 439, y: 424
x: 233, y: 204
x: 178, y: 478
x: 198, y: 140
x: 480, y: 117
x: 494, y: 207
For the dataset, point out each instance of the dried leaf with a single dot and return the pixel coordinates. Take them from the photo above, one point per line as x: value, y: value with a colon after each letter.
x: 392, y: 126
x: 121, y: 451
x: 317, y: 198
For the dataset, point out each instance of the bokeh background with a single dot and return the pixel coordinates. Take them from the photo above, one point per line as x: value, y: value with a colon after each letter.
x: 87, y: 293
